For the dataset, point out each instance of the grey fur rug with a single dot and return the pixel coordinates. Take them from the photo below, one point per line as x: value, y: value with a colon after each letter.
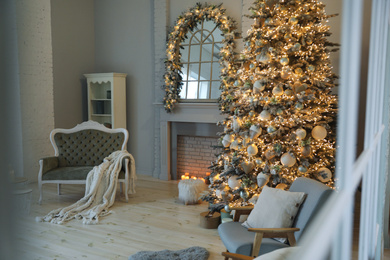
x: 191, y: 253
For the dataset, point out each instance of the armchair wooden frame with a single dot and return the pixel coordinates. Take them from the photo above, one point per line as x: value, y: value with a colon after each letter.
x: 261, y: 233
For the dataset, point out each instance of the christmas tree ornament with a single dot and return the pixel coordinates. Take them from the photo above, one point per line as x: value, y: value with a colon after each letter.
x: 247, y: 166
x: 285, y: 74
x: 244, y: 194
x: 319, y: 132
x: 288, y: 92
x: 277, y: 91
x: 258, y: 86
x: 298, y: 71
x: 281, y: 186
x: 262, y: 179
x: 306, y: 150
x: 297, y: 46
x: 268, y: 21
x: 311, y: 68
x: 271, y: 129
x: 254, y: 131
x: 293, y: 20
x: 288, y: 160
x: 234, y: 182
x: 234, y: 145
x: 265, y: 115
x: 270, y: 154
x: 246, y: 141
x: 218, y: 193
x: 302, y: 168
x: 324, y: 174
x: 258, y: 161
x: 264, y: 57
x: 284, y: 61
x: 236, y: 125
x: 252, y: 150
x: 299, y: 106
x: 300, y: 133
x: 227, y: 139
x: 227, y: 208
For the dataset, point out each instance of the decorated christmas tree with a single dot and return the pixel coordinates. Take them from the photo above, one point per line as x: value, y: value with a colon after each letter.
x: 281, y: 113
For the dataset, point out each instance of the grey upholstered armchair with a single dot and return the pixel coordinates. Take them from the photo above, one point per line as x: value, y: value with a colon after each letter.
x: 78, y: 150
x: 239, y: 240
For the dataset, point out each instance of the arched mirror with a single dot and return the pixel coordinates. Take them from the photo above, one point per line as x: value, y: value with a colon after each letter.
x: 200, y: 57
x: 200, y: 63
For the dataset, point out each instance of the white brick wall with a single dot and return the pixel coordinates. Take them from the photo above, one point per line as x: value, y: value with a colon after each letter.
x: 33, y: 20
x: 195, y: 154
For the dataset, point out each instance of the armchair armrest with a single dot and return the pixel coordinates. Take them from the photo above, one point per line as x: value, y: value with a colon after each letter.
x: 234, y: 256
x: 48, y: 163
x: 245, y: 210
x: 272, y: 233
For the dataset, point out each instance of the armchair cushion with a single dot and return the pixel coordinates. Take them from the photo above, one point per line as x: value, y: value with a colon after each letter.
x: 238, y: 240
x: 275, y: 208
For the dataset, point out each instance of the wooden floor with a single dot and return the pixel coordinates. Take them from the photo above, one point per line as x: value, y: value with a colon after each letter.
x: 153, y: 219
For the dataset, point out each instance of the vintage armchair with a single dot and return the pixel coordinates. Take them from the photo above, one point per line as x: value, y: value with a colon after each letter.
x: 253, y: 242
x: 78, y: 150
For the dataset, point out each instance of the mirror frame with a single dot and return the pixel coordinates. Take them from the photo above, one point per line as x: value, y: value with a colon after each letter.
x: 188, y: 21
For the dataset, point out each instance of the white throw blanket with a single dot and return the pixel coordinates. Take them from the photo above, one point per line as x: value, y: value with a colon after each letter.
x: 100, y: 192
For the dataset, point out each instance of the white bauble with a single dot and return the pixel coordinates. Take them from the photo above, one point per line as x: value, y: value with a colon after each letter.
x: 247, y: 166
x: 234, y: 182
x: 236, y: 124
x: 319, y: 132
x: 264, y: 58
x: 300, y: 133
x: 277, y: 91
x: 245, y: 141
x: 288, y: 160
x: 227, y: 139
x: 234, y: 145
x: 265, y: 115
x: 254, y: 131
x: 258, y: 86
x: 252, y: 150
x: 218, y: 194
x: 262, y: 179
x: 324, y: 174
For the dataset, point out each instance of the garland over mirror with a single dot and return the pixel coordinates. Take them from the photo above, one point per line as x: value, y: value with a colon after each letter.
x: 173, y: 64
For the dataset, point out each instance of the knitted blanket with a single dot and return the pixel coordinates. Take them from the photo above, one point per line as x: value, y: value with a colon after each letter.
x: 100, y: 191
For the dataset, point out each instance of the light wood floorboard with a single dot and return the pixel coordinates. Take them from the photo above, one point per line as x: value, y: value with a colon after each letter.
x: 153, y: 219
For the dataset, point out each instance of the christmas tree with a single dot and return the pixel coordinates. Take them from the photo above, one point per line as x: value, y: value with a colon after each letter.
x: 281, y: 113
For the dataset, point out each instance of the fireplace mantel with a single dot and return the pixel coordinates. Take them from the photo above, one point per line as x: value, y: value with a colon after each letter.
x: 183, y: 112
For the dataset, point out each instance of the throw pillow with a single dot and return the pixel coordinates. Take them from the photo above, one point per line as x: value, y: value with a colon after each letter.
x: 275, y: 208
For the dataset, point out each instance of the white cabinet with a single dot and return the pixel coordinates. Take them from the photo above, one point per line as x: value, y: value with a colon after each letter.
x: 107, y: 98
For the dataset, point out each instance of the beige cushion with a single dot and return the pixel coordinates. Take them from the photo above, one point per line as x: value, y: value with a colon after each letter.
x: 275, y: 208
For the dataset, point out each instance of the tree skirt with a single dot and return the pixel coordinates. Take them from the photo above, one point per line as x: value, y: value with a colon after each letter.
x: 191, y: 253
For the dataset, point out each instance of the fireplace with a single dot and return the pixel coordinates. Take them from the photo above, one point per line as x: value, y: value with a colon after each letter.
x: 187, y: 121
x: 191, y: 148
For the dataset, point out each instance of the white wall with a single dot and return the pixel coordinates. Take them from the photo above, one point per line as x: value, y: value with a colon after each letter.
x: 73, y: 41
x: 35, y: 78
